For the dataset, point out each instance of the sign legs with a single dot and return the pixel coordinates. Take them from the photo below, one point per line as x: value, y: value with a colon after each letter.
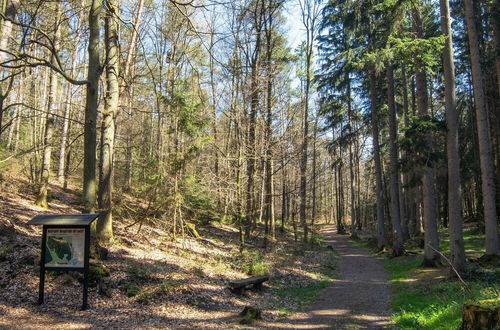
x: 85, y: 304
x: 41, y: 287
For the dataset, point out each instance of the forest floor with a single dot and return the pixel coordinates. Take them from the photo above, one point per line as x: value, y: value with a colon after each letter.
x: 359, y: 297
x: 150, y: 279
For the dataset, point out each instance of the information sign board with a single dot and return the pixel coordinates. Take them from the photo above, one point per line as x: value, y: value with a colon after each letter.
x: 65, y: 247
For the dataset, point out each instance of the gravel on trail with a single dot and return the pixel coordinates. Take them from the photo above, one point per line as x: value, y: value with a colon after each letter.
x: 359, y: 298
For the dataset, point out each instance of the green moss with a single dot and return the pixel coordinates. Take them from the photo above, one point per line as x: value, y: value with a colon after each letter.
x: 250, y: 314
x: 96, y: 272
x: 485, y: 303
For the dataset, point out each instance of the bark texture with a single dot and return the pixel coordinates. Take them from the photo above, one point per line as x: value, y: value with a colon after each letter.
x: 431, y: 238
x: 485, y: 151
x: 397, y: 237
x: 105, y: 223
x: 454, y: 191
x: 381, y: 235
x: 91, y: 103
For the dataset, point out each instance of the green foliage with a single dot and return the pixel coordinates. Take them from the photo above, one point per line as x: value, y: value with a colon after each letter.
x: 317, y: 239
x: 198, y: 201
x: 185, y: 107
x: 137, y: 273
x: 132, y: 289
x: 416, y: 143
x: 428, y: 51
x: 144, y: 296
x: 167, y: 286
x: 136, y: 276
x: 251, y: 263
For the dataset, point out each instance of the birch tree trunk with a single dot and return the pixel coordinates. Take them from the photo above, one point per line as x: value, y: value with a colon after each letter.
x: 10, y: 13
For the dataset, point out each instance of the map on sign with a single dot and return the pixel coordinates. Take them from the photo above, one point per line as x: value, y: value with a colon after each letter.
x: 65, y: 247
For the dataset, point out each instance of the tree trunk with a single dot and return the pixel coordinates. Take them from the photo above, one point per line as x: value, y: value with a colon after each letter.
x: 454, y: 192
x: 485, y: 152
x: 480, y: 317
x: 91, y: 104
x: 397, y: 237
x: 351, y: 163
x: 314, y: 171
x: 381, y: 237
x: 41, y: 199
x: 9, y: 10
x: 431, y: 238
x: 69, y: 99
x: 407, y: 215
x: 111, y: 99
x: 252, y: 121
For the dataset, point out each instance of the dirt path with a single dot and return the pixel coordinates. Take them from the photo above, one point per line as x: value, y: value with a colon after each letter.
x: 358, y: 299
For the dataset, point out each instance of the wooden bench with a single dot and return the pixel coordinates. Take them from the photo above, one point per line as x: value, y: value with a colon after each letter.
x: 239, y: 286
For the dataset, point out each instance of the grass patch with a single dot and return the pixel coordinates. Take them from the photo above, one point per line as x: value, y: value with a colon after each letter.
x: 358, y: 243
x: 427, y: 298
x: 473, y: 241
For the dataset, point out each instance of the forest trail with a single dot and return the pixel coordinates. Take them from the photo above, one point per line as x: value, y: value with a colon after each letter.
x: 358, y: 298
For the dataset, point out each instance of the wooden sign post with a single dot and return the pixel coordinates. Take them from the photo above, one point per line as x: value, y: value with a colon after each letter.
x: 65, y: 246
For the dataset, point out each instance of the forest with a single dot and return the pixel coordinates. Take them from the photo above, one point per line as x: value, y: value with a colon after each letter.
x: 269, y: 120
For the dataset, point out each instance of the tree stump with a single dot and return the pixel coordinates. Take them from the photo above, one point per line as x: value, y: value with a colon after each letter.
x: 481, y: 316
x: 250, y: 314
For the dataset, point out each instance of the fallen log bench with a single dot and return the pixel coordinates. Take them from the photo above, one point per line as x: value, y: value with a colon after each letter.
x: 239, y: 286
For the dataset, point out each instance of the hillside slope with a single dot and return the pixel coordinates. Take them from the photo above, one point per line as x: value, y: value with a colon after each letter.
x: 154, y: 280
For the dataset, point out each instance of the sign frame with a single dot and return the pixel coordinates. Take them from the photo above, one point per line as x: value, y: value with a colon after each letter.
x: 58, y: 222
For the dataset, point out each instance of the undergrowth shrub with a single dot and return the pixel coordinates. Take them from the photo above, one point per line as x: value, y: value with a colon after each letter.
x: 251, y: 263
x: 317, y: 240
x: 167, y: 286
x: 136, y: 276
